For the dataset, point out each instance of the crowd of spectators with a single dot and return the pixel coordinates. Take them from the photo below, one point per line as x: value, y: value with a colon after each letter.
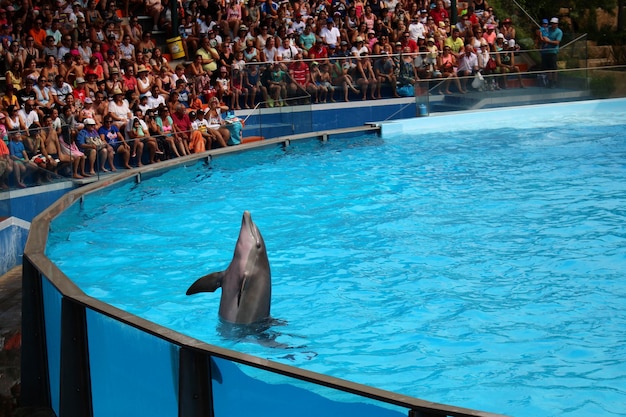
x: 85, y: 82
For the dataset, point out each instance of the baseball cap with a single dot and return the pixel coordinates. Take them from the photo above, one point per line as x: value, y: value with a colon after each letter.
x: 554, y: 20
x: 544, y: 21
x: 89, y: 121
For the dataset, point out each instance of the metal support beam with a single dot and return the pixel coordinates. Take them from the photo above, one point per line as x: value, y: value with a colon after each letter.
x: 75, y: 389
x: 34, y: 363
x: 195, y: 396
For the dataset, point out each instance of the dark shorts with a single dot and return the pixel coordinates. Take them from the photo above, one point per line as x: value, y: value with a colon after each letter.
x: 548, y: 61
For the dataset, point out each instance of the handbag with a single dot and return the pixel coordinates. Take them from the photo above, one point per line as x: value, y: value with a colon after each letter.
x: 406, y: 90
x: 478, y: 81
x: 491, y: 64
x: 95, y: 140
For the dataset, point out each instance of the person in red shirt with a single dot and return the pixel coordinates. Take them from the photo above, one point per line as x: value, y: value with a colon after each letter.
x: 190, y: 138
x: 318, y: 51
x: 408, y: 42
x: 439, y: 13
x: 301, y: 79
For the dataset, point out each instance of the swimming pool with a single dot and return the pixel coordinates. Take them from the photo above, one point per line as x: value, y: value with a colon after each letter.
x: 482, y: 268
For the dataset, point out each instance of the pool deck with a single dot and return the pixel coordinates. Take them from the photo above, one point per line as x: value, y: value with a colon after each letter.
x: 10, y: 346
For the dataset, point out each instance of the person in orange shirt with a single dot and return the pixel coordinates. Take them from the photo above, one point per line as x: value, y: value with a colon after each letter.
x: 39, y: 34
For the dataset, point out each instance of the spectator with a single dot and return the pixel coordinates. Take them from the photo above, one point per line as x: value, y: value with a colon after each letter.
x: 507, y: 29
x: 301, y: 83
x: 118, y: 109
x: 448, y: 65
x: 216, y: 122
x: 550, y: 50
x: 38, y: 33
x: 138, y: 132
x: 439, y: 13
x: 166, y: 127
x: 209, y: 54
x: 18, y: 153
x: 90, y: 143
x: 182, y: 129
x: 506, y: 61
x: 14, y: 74
x: 60, y: 90
x: 468, y: 65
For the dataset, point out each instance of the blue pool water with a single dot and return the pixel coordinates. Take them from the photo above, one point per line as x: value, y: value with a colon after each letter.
x: 479, y: 268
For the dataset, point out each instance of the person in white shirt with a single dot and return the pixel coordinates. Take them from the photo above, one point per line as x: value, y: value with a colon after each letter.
x: 329, y: 33
x: 416, y: 29
x: 287, y: 51
x: 155, y: 99
x: 468, y: 65
x: 297, y: 25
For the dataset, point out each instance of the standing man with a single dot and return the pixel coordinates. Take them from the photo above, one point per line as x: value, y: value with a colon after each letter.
x: 550, y: 49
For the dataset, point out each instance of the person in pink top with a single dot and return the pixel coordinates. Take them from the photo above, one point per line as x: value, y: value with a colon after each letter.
x: 490, y: 35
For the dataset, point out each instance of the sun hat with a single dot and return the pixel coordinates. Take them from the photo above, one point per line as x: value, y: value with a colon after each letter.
x: 431, y: 40
x: 88, y: 100
x: 359, y: 39
x: 142, y: 68
x: 117, y: 91
x: 80, y: 80
x: 511, y: 43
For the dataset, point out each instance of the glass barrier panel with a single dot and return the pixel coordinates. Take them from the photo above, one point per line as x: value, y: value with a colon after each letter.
x: 132, y: 372
x: 52, y: 309
x: 243, y: 390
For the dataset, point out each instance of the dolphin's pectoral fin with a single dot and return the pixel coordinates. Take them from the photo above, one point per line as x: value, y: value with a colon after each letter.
x: 208, y: 283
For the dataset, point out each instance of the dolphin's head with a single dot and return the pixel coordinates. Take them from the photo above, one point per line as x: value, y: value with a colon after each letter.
x: 250, y: 231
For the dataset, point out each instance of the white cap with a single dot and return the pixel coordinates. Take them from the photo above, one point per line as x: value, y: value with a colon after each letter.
x: 554, y: 20
x: 500, y: 36
x: 89, y: 121
x: 511, y: 43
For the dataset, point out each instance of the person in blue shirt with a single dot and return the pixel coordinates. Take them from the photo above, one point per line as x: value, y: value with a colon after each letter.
x: 89, y: 142
x: 550, y: 49
x: 18, y: 153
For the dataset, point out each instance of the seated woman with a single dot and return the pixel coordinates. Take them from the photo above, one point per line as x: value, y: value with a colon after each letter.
x: 216, y: 122
x: 138, y: 131
x: 447, y: 65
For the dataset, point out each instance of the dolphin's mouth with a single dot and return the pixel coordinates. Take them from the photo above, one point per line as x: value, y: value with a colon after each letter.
x: 247, y: 220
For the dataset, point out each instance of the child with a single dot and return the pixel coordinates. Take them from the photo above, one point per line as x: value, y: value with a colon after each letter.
x: 183, y: 92
x: 238, y: 89
x: 222, y: 83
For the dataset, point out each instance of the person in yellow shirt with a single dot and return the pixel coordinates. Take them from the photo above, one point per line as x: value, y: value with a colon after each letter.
x: 455, y: 42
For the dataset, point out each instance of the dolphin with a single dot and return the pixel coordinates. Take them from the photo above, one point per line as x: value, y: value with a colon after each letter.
x: 246, y: 283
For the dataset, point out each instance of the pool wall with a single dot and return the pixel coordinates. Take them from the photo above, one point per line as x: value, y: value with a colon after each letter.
x: 84, y: 357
